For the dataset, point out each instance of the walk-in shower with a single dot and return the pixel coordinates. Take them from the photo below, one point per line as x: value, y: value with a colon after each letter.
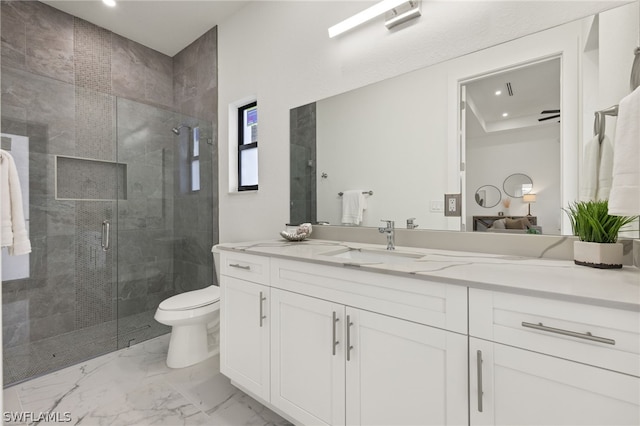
x: 73, y: 299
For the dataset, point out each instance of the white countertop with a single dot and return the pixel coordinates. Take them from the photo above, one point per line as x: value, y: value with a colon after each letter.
x: 558, y: 279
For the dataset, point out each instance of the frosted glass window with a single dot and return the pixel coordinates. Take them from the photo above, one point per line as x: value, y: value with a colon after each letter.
x: 249, y: 169
x: 195, y: 175
x: 195, y: 160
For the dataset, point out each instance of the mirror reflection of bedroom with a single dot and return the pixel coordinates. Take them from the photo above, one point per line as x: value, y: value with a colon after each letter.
x: 512, y: 150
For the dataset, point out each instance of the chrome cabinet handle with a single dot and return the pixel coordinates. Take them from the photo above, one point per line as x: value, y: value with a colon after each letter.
x: 106, y: 231
x: 349, y: 346
x: 262, y: 315
x: 479, y: 372
x: 237, y: 265
x: 333, y: 333
x: 586, y: 336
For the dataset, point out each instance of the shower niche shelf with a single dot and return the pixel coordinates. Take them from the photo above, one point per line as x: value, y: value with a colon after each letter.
x: 89, y: 179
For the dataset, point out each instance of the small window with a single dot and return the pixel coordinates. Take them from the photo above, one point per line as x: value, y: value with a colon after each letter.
x: 248, y: 147
x: 194, y: 159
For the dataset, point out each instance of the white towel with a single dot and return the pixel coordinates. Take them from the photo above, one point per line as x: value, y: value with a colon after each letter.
x: 14, y: 232
x: 590, y: 165
x: 605, y: 169
x: 624, y: 199
x: 353, y: 206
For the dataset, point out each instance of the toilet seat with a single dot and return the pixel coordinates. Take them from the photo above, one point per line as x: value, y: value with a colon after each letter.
x: 191, y: 299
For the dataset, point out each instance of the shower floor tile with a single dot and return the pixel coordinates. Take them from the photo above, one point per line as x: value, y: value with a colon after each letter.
x: 35, y: 359
x: 133, y: 386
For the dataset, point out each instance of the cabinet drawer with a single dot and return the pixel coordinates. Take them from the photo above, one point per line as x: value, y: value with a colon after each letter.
x: 425, y: 302
x: 595, y: 335
x: 245, y: 266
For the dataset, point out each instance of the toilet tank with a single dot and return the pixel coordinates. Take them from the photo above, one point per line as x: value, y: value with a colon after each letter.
x: 216, y: 262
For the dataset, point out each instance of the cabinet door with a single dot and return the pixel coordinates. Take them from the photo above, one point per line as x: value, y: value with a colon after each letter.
x: 403, y: 373
x: 307, y: 360
x: 522, y: 387
x: 244, y: 334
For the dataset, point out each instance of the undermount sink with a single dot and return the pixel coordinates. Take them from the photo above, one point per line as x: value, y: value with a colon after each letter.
x: 374, y: 256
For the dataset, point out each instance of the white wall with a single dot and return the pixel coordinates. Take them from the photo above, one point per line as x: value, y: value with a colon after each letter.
x: 534, y: 152
x: 389, y: 138
x: 279, y: 52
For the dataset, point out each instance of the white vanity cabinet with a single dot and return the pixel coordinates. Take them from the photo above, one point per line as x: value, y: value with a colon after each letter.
x: 307, y: 368
x: 549, y: 362
x: 245, y: 321
x: 333, y: 363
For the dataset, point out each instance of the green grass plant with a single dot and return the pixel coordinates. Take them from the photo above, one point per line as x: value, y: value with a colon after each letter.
x: 591, y: 221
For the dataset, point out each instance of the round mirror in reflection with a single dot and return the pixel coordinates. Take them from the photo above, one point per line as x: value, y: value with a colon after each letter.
x: 517, y: 185
x: 488, y: 196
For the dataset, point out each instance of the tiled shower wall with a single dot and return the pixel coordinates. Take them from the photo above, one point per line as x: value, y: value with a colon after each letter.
x: 75, y: 89
x: 303, y: 164
x: 196, y: 95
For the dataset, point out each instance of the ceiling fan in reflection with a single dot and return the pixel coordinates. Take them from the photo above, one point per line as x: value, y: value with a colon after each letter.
x: 555, y: 112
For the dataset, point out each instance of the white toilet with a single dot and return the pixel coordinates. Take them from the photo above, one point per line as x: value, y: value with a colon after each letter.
x: 190, y: 315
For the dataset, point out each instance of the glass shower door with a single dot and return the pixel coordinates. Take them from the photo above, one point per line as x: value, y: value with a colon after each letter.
x: 165, y: 217
x: 59, y: 309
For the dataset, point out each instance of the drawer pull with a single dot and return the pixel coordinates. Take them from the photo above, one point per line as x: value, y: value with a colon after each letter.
x: 349, y: 347
x: 479, y: 372
x: 334, y: 341
x: 237, y: 265
x: 587, y: 335
x: 262, y: 315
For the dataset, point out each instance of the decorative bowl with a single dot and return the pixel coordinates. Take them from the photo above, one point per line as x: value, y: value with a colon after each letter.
x: 302, y: 232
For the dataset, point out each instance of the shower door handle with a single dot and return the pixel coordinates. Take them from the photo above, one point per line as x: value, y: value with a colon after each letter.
x: 106, y: 234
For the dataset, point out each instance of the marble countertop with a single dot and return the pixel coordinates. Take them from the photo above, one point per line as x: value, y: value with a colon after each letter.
x: 557, y: 279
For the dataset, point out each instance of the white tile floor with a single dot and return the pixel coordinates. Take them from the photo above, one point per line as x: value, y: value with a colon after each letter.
x: 134, y: 386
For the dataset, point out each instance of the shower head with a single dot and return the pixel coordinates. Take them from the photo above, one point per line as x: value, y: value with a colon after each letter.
x: 176, y: 130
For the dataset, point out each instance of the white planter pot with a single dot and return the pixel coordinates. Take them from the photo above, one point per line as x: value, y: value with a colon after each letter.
x: 598, y: 255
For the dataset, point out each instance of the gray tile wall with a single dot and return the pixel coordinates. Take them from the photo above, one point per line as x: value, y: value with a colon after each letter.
x: 303, y: 164
x: 66, y: 83
x: 196, y: 95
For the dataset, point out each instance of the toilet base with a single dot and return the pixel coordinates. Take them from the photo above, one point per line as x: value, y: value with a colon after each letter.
x: 188, y: 345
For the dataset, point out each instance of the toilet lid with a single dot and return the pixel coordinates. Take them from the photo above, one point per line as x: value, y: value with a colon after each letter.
x: 192, y: 299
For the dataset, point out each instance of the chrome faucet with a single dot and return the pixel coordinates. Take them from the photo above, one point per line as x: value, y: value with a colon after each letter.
x: 410, y: 224
x: 389, y: 230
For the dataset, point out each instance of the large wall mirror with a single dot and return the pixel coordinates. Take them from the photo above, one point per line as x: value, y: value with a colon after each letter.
x: 413, y: 138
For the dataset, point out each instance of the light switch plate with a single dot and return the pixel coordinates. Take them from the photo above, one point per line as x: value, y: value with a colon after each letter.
x: 437, y: 206
x: 452, y: 204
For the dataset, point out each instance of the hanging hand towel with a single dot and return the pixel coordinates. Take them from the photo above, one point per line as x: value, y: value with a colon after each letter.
x: 624, y: 199
x: 605, y: 169
x: 353, y: 205
x: 589, y: 177
x: 14, y: 232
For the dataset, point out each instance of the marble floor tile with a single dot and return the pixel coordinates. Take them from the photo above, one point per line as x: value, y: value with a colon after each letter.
x: 134, y: 386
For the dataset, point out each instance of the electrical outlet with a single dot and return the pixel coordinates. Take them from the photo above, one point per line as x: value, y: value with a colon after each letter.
x: 452, y: 204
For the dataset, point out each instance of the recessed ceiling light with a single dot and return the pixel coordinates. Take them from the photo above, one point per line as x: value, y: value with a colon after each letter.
x: 498, y: 92
x: 110, y: 3
x: 505, y: 114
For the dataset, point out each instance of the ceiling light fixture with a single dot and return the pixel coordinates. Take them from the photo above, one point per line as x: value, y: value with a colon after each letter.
x: 498, y: 92
x: 110, y: 3
x: 364, y: 16
x: 505, y: 114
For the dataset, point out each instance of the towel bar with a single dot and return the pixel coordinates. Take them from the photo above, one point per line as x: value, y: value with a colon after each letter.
x: 364, y: 192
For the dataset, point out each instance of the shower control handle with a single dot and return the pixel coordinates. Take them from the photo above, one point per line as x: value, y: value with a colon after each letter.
x: 106, y: 234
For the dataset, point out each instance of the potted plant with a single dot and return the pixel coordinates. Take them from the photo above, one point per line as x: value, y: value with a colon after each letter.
x: 598, y: 234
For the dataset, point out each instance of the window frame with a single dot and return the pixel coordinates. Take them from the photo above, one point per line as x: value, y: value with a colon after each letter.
x: 242, y: 146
